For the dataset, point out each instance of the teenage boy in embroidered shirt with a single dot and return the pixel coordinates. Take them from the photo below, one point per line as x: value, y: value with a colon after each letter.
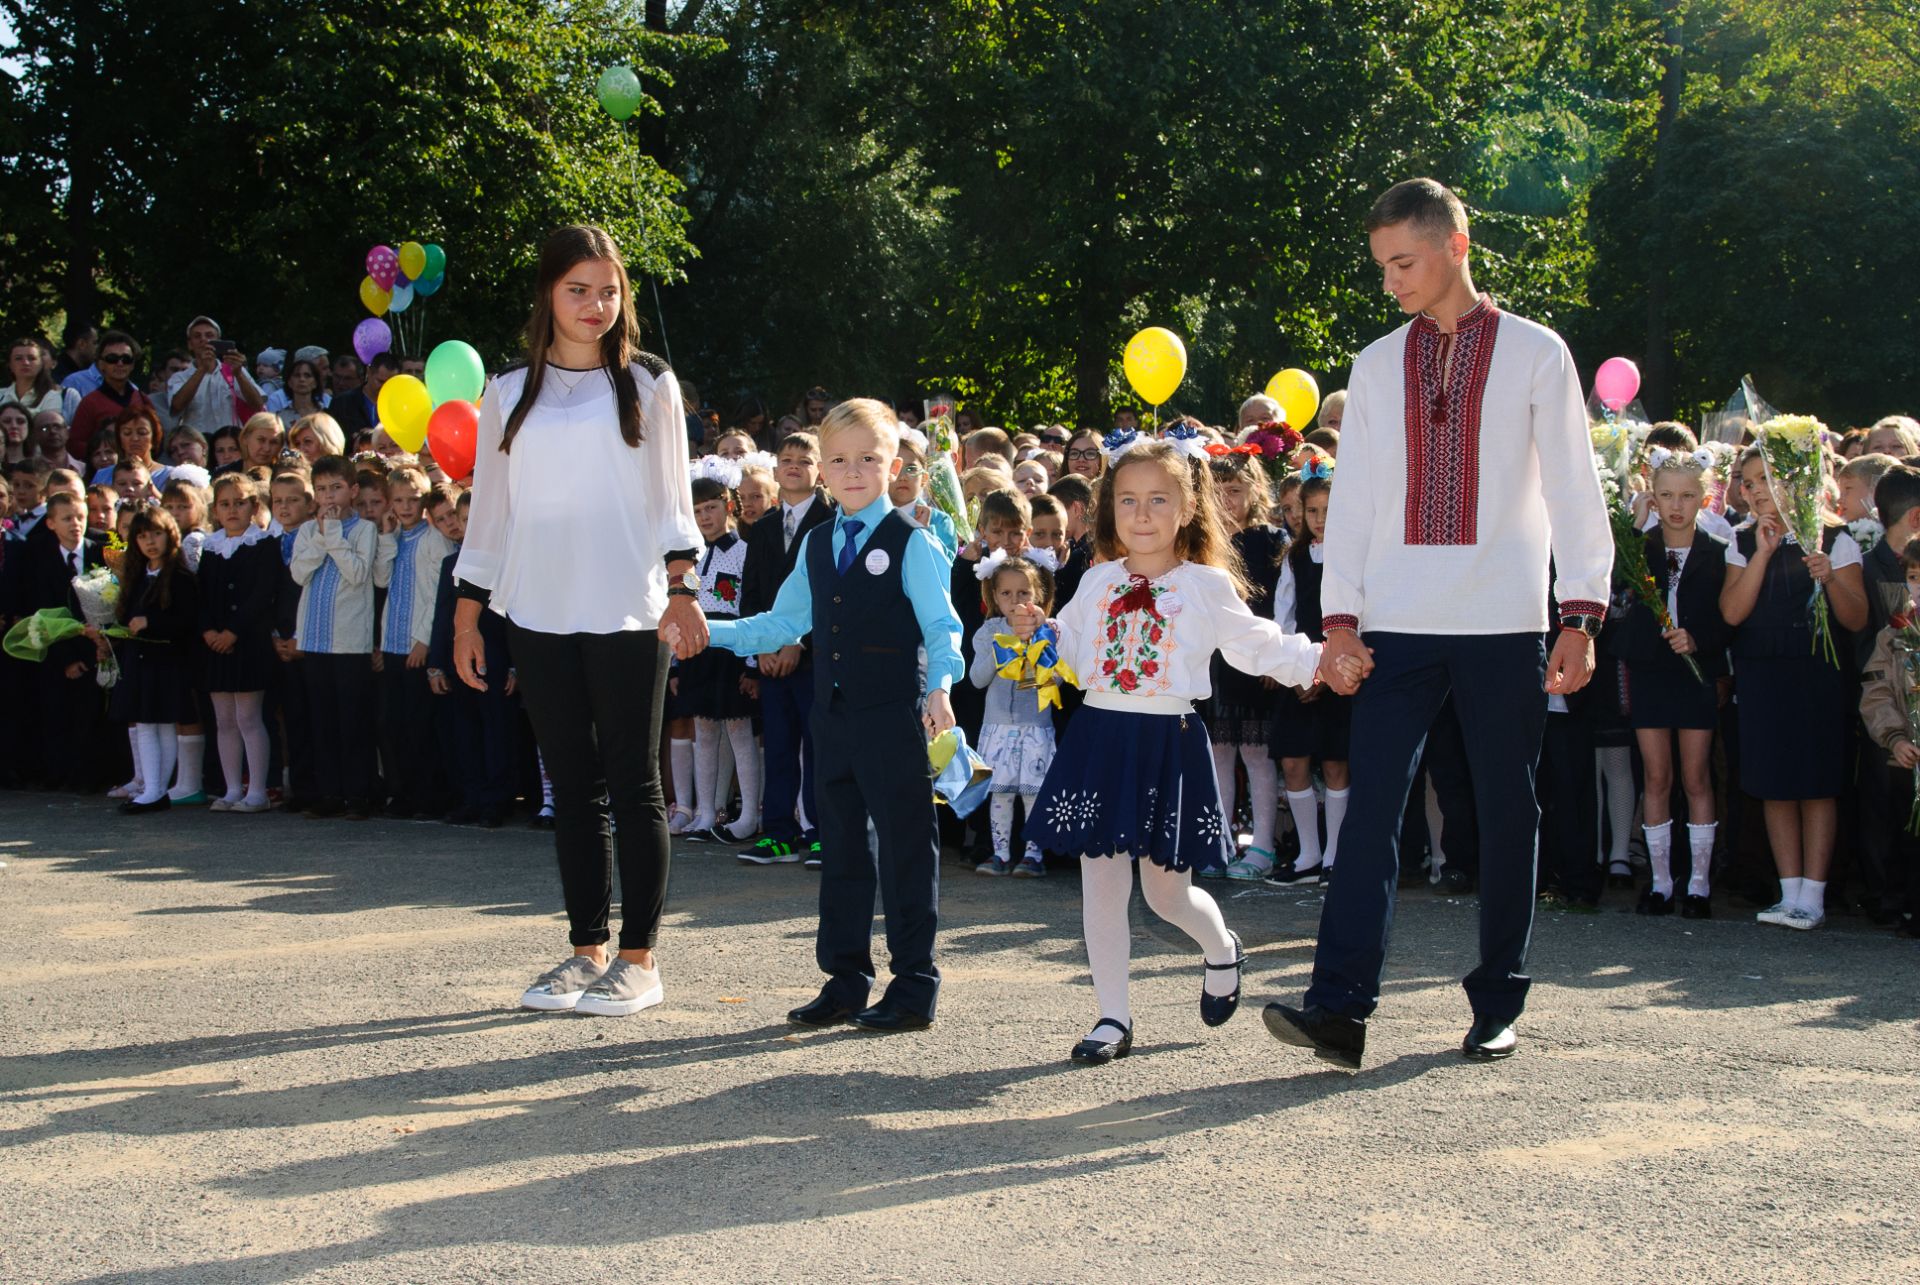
x: 1465, y: 463
x: 872, y: 588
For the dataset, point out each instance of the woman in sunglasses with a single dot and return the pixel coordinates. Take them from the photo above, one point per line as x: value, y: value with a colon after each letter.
x: 116, y: 395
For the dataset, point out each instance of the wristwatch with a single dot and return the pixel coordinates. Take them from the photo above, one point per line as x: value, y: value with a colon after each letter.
x: 1588, y: 625
x: 686, y: 585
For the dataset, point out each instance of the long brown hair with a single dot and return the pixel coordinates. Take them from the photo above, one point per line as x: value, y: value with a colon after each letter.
x: 1203, y: 536
x: 565, y: 247
x: 133, y: 599
x: 42, y: 377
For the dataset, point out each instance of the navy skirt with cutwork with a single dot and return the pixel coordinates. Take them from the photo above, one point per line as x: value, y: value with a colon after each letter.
x: 1138, y: 785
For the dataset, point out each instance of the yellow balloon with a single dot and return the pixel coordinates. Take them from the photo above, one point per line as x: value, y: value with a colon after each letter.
x: 413, y: 259
x: 1298, y: 395
x: 405, y: 406
x: 373, y: 296
x: 1156, y: 362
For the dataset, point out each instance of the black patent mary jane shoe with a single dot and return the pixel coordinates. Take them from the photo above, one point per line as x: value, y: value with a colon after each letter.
x: 1215, y: 1010
x: 1094, y: 1051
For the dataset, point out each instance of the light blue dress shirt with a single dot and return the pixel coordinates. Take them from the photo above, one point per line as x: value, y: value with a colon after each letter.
x: 924, y: 573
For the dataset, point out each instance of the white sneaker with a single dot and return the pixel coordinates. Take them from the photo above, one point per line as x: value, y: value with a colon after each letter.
x: 625, y: 988
x: 1802, y: 919
x: 562, y: 986
x: 1775, y: 914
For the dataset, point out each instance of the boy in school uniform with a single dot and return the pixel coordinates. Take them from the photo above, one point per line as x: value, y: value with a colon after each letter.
x: 333, y: 557
x: 476, y: 728
x: 786, y: 674
x: 290, y: 499
x: 69, y: 696
x: 407, y: 566
x: 872, y: 589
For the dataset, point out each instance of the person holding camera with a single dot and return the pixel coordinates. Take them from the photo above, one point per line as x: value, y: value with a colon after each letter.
x: 216, y: 389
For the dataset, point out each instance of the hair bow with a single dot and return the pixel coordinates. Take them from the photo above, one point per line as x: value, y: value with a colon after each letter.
x: 1044, y: 558
x: 1321, y: 467
x: 715, y: 468
x: 1186, y: 439
x: 192, y: 474
x: 1659, y: 457
x: 1118, y: 443
x: 758, y: 459
x: 989, y: 563
x: 1034, y: 664
x: 913, y: 437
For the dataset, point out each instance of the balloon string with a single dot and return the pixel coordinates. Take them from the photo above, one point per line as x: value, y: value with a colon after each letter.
x: 639, y: 214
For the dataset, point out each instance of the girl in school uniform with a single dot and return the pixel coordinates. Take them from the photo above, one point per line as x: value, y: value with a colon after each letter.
x: 239, y: 576
x: 1665, y: 699
x: 159, y: 605
x: 1133, y: 783
x: 712, y: 688
x: 1793, y: 701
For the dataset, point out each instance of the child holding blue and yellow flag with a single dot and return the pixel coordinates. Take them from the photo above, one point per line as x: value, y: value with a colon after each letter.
x: 1022, y: 681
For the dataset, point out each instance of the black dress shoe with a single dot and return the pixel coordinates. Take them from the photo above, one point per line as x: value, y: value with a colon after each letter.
x: 1653, y: 903
x: 1333, y: 1038
x: 1096, y: 1052
x: 1619, y: 876
x: 1291, y: 872
x: 134, y: 809
x: 886, y: 1018
x: 1692, y: 907
x: 825, y: 1011
x: 1216, y: 1009
x: 1490, y: 1040
x: 1455, y: 882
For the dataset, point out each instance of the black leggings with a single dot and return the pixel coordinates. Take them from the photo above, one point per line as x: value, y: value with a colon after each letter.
x: 595, y: 701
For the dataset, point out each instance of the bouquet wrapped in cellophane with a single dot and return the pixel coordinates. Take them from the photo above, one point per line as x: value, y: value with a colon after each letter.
x: 1797, y: 470
x: 943, y: 478
x: 99, y: 596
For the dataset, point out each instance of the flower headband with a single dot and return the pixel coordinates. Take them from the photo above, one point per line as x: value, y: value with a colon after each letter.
x: 1320, y: 467
x: 989, y: 563
x: 715, y: 468
x: 1659, y: 457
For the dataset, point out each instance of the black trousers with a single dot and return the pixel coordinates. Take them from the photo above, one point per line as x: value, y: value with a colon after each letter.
x: 1497, y: 685
x: 409, y: 745
x: 877, y: 833
x: 1570, y: 808
x: 69, y: 720
x: 596, y: 702
x: 287, y: 691
x: 786, y: 705
x: 340, y: 700
x: 476, y: 742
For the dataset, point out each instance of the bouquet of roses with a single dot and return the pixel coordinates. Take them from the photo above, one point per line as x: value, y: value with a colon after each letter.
x: 1276, y: 441
x: 1790, y: 447
x: 943, y: 477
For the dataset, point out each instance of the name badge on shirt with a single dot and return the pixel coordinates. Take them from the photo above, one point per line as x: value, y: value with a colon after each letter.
x: 877, y: 561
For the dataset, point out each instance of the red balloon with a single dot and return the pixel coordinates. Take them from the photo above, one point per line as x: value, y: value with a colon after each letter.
x: 452, y: 432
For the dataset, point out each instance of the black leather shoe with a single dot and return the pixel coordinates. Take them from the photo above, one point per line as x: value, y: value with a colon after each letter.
x: 1216, y: 1009
x: 825, y: 1011
x: 1652, y: 903
x: 1291, y: 872
x: 1490, y: 1040
x: 1333, y: 1038
x: 133, y: 809
x: 886, y: 1018
x: 1455, y: 882
x: 1692, y: 907
x: 1095, y: 1052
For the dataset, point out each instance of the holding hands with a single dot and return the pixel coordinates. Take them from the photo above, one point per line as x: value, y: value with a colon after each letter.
x: 1344, y: 661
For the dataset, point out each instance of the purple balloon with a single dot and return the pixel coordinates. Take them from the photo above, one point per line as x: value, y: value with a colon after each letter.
x: 382, y: 264
x: 371, y: 338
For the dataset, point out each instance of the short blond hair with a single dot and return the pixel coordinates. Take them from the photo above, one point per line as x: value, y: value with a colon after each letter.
x: 860, y: 412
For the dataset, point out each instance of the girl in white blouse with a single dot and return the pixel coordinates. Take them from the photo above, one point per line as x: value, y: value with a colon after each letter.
x: 580, y: 535
x: 1134, y: 777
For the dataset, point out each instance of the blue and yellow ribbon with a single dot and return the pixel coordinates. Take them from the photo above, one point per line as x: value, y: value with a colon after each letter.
x: 1037, y: 659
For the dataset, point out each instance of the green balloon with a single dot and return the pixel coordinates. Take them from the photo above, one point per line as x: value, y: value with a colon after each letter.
x: 455, y: 373
x: 436, y: 262
x: 619, y: 91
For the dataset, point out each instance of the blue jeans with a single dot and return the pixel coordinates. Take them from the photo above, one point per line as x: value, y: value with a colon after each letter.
x: 1497, y: 682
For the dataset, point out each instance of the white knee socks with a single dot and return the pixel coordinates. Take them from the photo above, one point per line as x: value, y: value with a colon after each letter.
x: 159, y: 748
x: 746, y: 758
x: 706, y: 772
x: 1660, y: 856
x: 1306, y: 820
x: 680, y: 758
x: 1336, y: 813
x: 1616, y: 783
x: 1700, y: 846
x: 191, y: 752
x: 1263, y: 793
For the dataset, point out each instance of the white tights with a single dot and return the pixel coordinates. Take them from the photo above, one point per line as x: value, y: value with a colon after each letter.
x: 1616, y: 789
x: 1106, y: 888
x: 242, y: 725
x: 1263, y: 788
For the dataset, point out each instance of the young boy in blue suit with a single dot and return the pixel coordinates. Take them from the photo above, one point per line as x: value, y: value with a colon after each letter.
x: 872, y: 589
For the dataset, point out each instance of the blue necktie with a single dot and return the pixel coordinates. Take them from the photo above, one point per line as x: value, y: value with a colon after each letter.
x: 849, y: 528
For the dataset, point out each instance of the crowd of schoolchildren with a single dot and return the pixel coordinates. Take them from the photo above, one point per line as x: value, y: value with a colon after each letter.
x: 283, y: 589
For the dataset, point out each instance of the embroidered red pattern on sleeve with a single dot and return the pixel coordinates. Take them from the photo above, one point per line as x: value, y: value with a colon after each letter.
x: 1443, y: 426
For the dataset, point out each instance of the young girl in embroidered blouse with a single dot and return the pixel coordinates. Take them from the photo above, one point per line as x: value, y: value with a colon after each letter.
x: 1665, y: 699
x: 1793, y: 702
x: 1016, y: 731
x: 1310, y: 723
x: 711, y: 691
x: 239, y: 588
x: 1241, y: 707
x: 1133, y: 782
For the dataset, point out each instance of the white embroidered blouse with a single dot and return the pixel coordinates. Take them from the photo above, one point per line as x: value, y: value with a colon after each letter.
x: 1132, y: 639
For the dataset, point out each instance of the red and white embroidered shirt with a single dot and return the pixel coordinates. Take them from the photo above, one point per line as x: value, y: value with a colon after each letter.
x: 1451, y: 492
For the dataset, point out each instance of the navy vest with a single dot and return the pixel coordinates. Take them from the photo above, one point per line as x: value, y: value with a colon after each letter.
x: 866, y: 639
x: 1307, y: 575
x: 1782, y: 622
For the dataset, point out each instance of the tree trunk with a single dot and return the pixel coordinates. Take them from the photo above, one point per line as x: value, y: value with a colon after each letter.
x: 1656, y: 374
x: 79, y: 288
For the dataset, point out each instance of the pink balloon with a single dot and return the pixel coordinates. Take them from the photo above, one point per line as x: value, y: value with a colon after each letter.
x: 1616, y: 383
x: 383, y: 264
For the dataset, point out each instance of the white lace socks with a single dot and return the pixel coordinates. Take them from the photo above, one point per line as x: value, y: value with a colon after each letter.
x: 1615, y: 768
x: 1336, y: 813
x: 746, y: 759
x: 1000, y: 823
x: 1700, y: 847
x: 1660, y: 856
x: 1306, y: 821
x: 680, y: 761
x: 706, y: 772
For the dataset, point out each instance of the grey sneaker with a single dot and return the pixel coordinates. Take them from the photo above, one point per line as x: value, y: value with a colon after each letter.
x: 562, y: 987
x: 625, y: 988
